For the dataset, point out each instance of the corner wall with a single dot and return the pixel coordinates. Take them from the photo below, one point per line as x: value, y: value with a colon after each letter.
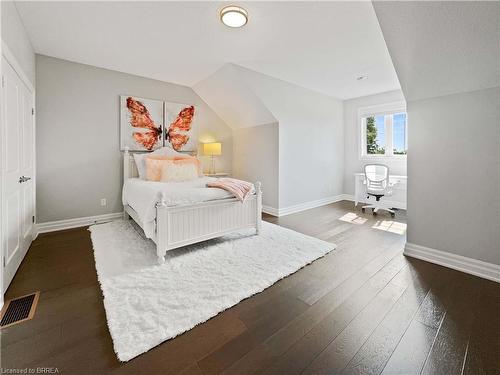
x: 311, y: 139
x: 311, y: 131
x: 311, y: 146
x: 454, y: 165
x: 78, y: 151
x: 255, y: 158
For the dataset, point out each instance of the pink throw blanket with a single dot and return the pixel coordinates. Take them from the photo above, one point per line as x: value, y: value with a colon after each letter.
x: 240, y: 189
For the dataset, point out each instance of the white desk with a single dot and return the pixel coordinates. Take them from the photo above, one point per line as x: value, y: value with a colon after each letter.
x: 396, y: 200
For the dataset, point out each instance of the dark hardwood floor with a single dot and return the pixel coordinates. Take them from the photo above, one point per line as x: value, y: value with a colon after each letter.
x: 362, y: 309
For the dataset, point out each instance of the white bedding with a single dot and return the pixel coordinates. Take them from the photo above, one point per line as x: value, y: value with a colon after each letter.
x: 143, y: 195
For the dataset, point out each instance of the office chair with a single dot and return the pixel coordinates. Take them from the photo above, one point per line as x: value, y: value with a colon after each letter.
x: 377, y: 186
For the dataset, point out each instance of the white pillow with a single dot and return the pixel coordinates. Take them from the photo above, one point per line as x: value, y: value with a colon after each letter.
x: 164, y: 151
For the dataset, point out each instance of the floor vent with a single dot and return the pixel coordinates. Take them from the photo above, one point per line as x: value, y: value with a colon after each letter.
x: 19, y: 309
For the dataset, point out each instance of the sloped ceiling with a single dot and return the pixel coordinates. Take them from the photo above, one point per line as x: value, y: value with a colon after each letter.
x: 441, y: 48
x: 228, y: 94
x: 244, y: 98
x: 322, y: 46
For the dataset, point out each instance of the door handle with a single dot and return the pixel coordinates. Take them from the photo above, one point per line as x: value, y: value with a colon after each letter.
x: 24, y: 179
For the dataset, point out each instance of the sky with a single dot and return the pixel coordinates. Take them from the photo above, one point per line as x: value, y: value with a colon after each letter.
x: 379, y: 122
x: 398, y: 132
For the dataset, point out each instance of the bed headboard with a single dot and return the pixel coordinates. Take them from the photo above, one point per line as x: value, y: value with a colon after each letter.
x: 129, y: 167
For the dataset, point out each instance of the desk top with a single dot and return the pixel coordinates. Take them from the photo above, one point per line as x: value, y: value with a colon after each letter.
x: 393, y: 176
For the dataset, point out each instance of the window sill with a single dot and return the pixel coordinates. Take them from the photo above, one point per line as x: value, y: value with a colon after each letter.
x: 401, y: 158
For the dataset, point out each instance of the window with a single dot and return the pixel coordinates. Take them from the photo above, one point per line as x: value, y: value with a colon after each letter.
x: 384, y: 131
x: 399, y: 134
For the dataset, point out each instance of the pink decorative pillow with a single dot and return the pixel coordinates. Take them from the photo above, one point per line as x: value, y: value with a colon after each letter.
x: 177, y: 168
x: 153, y: 168
x: 140, y: 158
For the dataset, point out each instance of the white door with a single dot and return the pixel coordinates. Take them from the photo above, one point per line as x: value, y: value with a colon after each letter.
x: 17, y: 171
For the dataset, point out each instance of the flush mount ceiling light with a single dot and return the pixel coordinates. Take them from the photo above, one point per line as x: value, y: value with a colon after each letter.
x: 233, y: 16
x: 361, y: 78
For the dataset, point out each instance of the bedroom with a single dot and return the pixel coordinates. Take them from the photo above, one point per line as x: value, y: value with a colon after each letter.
x: 130, y: 263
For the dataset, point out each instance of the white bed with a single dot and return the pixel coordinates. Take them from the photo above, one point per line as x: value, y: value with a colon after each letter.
x: 178, y: 214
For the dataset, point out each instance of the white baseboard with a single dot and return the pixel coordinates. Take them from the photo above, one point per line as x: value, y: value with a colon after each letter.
x: 53, y: 226
x: 474, y: 267
x: 347, y: 197
x: 395, y: 204
x: 270, y: 210
x: 302, y: 206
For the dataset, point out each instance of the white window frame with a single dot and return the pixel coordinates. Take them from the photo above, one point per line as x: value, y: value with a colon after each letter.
x: 387, y: 110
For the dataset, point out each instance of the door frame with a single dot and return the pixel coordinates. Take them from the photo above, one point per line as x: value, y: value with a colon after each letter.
x: 6, y: 53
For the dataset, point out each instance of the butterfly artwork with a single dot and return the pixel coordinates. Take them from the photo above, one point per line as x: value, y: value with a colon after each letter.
x: 180, y: 126
x: 141, y: 123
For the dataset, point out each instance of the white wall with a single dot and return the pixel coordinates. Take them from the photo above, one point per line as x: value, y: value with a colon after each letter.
x: 352, y: 160
x: 311, y: 129
x: 454, y: 165
x: 256, y: 158
x: 16, y: 38
x: 311, y: 139
x: 78, y: 157
x: 311, y: 146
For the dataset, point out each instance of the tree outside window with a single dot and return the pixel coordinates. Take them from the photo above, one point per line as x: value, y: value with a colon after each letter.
x: 372, y: 145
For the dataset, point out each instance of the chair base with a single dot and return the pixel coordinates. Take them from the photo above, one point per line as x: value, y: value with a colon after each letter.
x: 377, y: 207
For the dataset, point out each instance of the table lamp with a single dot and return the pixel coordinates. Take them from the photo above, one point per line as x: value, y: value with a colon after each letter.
x: 212, y: 149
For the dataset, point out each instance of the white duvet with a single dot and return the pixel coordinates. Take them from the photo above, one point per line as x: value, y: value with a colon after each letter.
x: 143, y: 196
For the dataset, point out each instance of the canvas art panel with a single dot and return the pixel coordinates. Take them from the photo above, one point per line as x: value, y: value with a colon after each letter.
x: 141, y: 123
x: 180, y: 127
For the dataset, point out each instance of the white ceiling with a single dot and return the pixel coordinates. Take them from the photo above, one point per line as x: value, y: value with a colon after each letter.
x: 322, y: 46
x: 441, y: 48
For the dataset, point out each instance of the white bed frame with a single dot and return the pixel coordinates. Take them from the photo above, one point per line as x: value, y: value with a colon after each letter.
x: 182, y: 225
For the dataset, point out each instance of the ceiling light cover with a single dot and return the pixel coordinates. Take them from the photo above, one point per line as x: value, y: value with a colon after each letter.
x: 234, y: 16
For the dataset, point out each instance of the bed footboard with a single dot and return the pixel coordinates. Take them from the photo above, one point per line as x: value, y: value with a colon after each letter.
x: 179, y: 226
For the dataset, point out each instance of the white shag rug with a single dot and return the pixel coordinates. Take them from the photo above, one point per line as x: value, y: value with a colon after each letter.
x: 147, y: 303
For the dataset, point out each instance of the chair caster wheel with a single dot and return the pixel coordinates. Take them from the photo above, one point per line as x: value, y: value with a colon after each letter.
x: 393, y: 215
x: 363, y: 210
